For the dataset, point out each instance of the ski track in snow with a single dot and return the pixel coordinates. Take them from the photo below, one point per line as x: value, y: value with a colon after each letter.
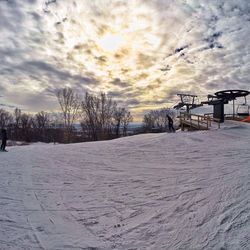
x: 154, y: 191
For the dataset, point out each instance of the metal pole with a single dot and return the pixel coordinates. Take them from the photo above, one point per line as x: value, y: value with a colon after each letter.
x: 233, y: 109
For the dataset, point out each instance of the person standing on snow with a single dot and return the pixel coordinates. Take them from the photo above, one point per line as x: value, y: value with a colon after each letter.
x: 4, y: 139
x: 170, y: 124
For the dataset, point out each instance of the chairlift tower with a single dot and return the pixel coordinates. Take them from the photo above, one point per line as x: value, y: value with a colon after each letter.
x: 189, y: 101
x: 220, y: 98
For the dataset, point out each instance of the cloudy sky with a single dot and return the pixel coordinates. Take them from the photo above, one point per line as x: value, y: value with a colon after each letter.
x: 141, y: 52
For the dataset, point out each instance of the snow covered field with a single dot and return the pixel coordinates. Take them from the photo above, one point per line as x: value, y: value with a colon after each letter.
x: 154, y: 191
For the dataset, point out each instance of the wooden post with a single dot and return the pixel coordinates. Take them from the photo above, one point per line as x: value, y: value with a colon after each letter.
x: 190, y: 117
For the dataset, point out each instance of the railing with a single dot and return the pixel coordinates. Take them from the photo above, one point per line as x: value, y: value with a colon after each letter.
x: 201, y: 122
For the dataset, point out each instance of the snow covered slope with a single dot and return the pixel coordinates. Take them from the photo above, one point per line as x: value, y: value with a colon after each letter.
x: 154, y: 191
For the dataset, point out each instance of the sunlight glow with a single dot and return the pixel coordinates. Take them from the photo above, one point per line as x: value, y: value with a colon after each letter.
x: 111, y: 42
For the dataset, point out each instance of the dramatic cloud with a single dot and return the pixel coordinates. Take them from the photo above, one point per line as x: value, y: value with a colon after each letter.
x: 141, y: 52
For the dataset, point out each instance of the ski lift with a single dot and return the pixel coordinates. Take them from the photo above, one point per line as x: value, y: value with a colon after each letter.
x: 243, y: 109
x: 187, y: 102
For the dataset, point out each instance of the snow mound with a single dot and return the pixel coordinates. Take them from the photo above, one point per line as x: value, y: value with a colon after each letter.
x: 153, y: 191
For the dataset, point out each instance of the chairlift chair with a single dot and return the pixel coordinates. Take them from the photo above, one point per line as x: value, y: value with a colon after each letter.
x: 243, y: 110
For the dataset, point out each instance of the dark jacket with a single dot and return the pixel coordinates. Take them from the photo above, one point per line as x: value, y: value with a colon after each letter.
x: 4, y: 135
x: 170, y: 120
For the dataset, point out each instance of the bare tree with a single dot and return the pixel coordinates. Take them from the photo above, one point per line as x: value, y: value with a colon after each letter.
x: 107, y: 109
x: 122, y: 118
x: 102, y: 118
x: 17, y: 122
x: 118, y: 115
x: 126, y: 119
x: 97, y: 114
x: 70, y: 104
x: 26, y: 125
x: 90, y: 107
x: 5, y: 118
x: 42, y: 121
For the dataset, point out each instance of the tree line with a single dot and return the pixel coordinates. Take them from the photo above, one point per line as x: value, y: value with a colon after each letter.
x: 88, y: 118
x: 99, y: 118
x: 26, y: 127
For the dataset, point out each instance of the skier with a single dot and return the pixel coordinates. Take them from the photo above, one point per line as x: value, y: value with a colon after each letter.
x: 170, y: 124
x: 4, y: 140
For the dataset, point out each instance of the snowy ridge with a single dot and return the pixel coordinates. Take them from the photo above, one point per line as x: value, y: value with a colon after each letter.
x: 153, y: 191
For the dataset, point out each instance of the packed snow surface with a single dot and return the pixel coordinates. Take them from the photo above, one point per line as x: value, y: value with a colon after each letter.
x: 154, y: 191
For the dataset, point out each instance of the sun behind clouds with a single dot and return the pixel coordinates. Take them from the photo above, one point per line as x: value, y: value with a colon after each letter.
x: 111, y: 42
